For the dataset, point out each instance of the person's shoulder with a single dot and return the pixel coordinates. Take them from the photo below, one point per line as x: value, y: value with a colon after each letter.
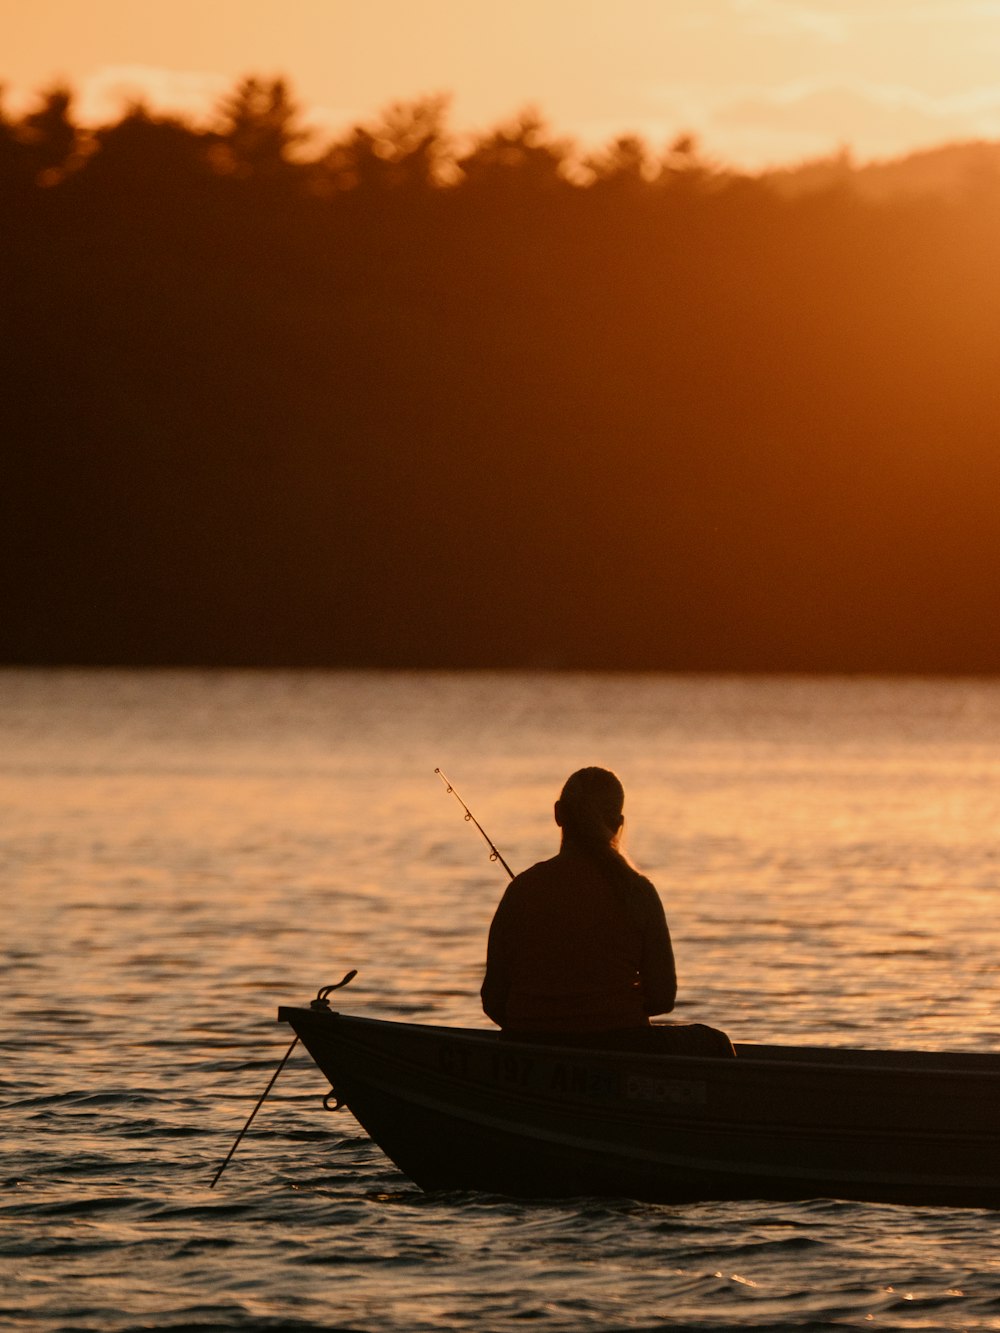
x: 540, y: 870
x: 647, y: 891
x: 523, y: 895
x: 532, y: 878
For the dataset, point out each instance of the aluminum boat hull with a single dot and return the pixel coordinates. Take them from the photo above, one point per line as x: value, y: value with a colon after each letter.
x: 459, y: 1109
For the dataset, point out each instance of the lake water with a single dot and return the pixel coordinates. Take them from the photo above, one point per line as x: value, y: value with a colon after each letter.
x: 180, y: 853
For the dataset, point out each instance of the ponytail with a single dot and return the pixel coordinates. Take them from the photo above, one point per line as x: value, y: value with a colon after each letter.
x: 589, y: 811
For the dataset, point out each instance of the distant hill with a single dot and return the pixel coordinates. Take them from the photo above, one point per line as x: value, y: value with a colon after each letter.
x: 953, y: 170
x: 356, y: 410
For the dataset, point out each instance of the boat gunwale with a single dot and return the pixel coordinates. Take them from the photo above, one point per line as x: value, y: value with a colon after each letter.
x: 897, y: 1062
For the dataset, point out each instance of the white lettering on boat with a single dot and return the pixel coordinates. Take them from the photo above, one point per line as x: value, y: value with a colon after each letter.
x: 680, y: 1092
x: 584, y: 1081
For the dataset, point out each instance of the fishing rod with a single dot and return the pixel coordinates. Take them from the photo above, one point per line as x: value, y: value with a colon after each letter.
x: 470, y: 817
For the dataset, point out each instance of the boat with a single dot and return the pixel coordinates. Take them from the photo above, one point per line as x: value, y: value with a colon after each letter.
x: 468, y: 1109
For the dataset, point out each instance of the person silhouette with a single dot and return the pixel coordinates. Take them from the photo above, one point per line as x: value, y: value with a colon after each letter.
x: 579, y: 949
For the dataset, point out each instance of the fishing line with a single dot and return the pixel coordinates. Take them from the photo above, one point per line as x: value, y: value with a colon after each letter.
x: 320, y: 1001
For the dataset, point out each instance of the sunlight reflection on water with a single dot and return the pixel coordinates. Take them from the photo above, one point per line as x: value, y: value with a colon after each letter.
x: 180, y: 852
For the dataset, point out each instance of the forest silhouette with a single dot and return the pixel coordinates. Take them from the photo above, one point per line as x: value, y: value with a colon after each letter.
x: 402, y: 400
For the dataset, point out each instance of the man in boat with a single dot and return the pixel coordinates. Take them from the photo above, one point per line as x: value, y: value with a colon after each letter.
x: 579, y: 949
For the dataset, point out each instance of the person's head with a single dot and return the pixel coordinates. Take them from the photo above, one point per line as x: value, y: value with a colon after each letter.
x: 589, y: 809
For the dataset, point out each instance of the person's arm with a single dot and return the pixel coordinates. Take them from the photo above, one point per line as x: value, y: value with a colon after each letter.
x: 657, y: 973
x: 496, y: 983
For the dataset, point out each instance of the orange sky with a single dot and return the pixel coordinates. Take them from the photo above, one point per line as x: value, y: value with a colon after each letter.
x: 759, y: 81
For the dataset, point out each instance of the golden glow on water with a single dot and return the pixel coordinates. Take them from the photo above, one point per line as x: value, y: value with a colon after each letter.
x: 825, y: 850
x: 180, y: 853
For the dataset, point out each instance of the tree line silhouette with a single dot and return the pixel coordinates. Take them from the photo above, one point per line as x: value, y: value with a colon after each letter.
x: 399, y: 400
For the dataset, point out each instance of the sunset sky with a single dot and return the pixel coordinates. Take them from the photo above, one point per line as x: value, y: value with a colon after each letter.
x: 759, y: 81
